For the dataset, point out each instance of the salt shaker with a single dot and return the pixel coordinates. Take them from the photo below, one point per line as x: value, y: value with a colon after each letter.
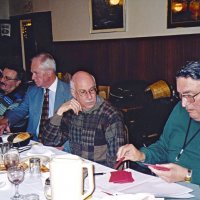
x: 34, y: 164
x: 47, y: 189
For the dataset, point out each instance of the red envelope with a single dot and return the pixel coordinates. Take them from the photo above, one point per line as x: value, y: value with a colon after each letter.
x: 121, y: 176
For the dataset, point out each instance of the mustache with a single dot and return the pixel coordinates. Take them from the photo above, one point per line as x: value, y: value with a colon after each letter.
x: 1, y: 83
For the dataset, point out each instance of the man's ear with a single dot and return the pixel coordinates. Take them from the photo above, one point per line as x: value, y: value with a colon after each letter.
x: 18, y: 82
x: 73, y: 93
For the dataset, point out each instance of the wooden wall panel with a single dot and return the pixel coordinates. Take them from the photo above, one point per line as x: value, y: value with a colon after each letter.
x: 150, y: 59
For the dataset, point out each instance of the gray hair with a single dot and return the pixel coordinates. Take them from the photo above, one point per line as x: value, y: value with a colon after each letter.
x: 46, y: 61
x: 191, y: 69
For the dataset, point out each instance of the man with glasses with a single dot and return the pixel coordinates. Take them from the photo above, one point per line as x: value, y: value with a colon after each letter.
x: 95, y: 130
x: 12, y: 90
x: 178, y: 149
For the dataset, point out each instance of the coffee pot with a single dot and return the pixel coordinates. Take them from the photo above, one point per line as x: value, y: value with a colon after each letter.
x: 67, y: 180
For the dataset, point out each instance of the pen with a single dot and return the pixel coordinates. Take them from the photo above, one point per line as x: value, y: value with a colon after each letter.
x: 101, y: 173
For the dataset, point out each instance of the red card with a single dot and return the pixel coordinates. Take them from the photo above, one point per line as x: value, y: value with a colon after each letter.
x: 119, y: 162
x: 158, y: 167
x: 121, y: 176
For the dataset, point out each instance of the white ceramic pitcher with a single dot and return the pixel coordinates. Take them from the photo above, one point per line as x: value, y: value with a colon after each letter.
x: 66, y: 174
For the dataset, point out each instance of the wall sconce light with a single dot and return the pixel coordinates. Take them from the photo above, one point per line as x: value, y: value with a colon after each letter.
x: 178, y: 6
x: 114, y: 2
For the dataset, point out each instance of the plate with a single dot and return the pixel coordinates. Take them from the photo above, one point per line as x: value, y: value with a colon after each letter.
x: 43, y: 159
x: 22, y: 164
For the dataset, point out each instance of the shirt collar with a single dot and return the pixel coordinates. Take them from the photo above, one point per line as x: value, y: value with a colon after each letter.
x: 53, y: 86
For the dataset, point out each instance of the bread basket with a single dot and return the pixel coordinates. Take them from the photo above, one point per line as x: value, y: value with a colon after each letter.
x: 20, y: 143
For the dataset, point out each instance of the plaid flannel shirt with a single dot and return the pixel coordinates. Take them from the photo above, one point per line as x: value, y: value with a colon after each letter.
x: 95, y: 135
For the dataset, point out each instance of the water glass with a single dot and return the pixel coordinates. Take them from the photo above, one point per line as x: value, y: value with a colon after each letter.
x: 4, y: 148
x: 11, y: 158
x: 34, y: 164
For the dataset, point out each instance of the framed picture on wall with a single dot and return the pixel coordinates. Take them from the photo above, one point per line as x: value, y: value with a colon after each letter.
x: 183, y: 13
x: 107, y: 15
x: 5, y: 29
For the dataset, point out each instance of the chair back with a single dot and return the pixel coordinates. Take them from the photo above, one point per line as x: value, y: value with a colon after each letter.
x: 104, y: 91
x: 159, y: 89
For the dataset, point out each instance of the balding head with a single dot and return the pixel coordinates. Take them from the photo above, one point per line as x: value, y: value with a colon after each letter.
x: 81, y: 77
x: 83, y: 89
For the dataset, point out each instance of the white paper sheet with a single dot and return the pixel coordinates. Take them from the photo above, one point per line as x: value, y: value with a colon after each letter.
x: 143, y: 184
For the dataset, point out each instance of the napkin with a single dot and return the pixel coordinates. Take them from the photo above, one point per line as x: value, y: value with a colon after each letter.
x: 40, y: 150
x: 138, y: 196
x: 121, y: 176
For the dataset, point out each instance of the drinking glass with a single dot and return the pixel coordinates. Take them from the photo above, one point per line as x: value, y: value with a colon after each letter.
x: 4, y: 148
x: 11, y: 158
x: 16, y: 176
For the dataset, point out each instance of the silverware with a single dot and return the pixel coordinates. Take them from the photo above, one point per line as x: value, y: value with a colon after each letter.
x: 22, y: 149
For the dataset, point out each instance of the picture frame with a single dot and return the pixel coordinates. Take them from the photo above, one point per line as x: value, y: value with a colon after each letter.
x: 107, y: 16
x: 183, y: 13
x: 5, y: 29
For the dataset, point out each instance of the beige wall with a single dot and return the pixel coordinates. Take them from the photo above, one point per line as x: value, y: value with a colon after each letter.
x: 144, y: 18
x: 70, y: 19
x: 4, y: 9
x: 20, y: 7
x: 41, y: 5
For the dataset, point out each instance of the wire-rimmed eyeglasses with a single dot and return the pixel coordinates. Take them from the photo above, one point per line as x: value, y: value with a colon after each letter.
x: 84, y: 93
x: 189, y: 98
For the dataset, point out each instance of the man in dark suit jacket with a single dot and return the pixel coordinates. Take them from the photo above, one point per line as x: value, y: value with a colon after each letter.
x: 43, y: 68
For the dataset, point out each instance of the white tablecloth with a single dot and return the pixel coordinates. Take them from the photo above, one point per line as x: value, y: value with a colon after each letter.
x: 143, y: 183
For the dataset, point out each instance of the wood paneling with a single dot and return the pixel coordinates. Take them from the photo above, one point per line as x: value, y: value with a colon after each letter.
x: 150, y: 59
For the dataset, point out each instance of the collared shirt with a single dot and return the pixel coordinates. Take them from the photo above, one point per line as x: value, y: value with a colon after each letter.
x: 95, y: 135
x: 52, y: 96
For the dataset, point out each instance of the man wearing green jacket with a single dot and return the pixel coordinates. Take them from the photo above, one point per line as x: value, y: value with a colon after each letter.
x: 178, y: 149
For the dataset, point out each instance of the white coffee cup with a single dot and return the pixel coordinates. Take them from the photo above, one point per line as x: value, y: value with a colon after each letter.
x: 66, y: 174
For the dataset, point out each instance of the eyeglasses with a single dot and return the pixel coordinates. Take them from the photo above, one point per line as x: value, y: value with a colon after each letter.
x: 84, y: 93
x: 189, y: 98
x: 6, y: 78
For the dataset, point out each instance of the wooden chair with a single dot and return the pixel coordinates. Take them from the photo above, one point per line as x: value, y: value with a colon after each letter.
x: 104, y: 91
x: 126, y: 163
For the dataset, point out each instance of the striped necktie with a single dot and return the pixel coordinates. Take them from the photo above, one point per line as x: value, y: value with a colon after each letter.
x: 44, y: 115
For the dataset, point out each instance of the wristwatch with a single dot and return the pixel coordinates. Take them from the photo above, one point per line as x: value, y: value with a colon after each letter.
x: 188, y: 176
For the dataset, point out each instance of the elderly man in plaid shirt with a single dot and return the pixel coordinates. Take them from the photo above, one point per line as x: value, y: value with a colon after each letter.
x: 95, y: 129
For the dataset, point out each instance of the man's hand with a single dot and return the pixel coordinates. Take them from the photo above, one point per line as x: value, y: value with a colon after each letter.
x: 130, y: 153
x: 175, y: 174
x: 72, y: 104
x: 4, y: 125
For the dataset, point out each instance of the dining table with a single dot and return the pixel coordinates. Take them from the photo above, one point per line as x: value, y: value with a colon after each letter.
x: 104, y: 189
